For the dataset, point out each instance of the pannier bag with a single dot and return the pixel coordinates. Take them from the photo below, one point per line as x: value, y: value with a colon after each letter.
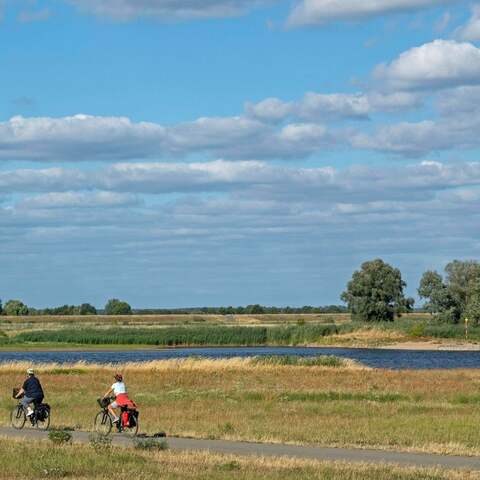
x: 132, y: 418
x: 125, y: 419
x: 42, y: 411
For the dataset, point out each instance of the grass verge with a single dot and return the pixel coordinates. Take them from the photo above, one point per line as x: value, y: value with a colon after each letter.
x: 29, y: 461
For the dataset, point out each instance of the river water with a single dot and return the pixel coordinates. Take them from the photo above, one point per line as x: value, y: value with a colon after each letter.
x: 391, y: 359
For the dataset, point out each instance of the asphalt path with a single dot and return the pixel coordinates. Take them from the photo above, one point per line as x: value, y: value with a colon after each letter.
x: 278, y: 450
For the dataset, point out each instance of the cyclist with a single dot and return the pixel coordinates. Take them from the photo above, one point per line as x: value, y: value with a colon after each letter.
x: 31, y: 391
x: 119, y: 390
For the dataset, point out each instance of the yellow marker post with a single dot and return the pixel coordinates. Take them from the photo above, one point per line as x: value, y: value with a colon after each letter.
x: 466, y: 328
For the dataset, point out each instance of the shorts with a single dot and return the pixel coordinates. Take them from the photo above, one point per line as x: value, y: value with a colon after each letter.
x: 26, y: 401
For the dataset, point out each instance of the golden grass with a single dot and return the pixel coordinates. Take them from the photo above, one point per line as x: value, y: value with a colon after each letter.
x: 367, y: 337
x: 29, y: 461
x: 432, y: 411
x: 168, y: 365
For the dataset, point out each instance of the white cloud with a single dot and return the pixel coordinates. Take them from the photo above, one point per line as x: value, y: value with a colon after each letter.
x: 459, y: 102
x: 80, y: 200
x: 471, y: 30
x: 422, y: 138
x: 439, y: 64
x: 168, y: 9
x: 320, y: 107
x: 79, y: 136
x: 318, y: 12
x: 83, y: 137
x: 268, y: 181
x: 270, y: 110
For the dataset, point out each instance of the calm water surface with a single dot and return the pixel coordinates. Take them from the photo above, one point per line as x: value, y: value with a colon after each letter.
x: 392, y: 359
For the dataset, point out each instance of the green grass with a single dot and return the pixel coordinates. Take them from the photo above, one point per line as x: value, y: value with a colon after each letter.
x: 341, y: 397
x: 38, y: 460
x: 318, y: 361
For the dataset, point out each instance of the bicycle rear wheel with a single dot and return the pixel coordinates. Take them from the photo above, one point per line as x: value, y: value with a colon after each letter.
x: 18, y: 417
x: 102, y: 423
x: 45, y: 423
x: 131, y: 431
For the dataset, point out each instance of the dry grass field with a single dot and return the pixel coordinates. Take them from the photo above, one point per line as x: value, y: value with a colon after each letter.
x: 434, y: 411
x: 22, y: 323
x: 27, y: 461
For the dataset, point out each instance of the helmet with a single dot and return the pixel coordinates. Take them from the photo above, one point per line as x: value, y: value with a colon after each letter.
x: 118, y: 377
x: 30, y: 371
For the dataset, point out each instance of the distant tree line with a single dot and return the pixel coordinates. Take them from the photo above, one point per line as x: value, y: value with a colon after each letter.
x: 249, y: 309
x: 118, y: 307
x: 376, y: 292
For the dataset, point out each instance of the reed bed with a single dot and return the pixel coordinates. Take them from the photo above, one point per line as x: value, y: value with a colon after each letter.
x: 184, y: 336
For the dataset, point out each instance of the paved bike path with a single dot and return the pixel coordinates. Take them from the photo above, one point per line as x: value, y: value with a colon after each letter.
x: 279, y: 450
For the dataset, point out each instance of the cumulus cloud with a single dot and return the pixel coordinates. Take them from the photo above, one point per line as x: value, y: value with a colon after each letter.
x: 421, y: 138
x: 84, y: 137
x: 439, y: 64
x: 168, y: 9
x: 471, y: 30
x: 319, y: 12
x: 321, y: 107
x: 79, y: 136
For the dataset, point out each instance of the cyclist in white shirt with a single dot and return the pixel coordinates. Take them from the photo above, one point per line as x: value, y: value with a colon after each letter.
x: 119, y: 390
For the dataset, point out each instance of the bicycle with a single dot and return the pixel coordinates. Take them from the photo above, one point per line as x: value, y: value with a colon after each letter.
x: 127, y: 424
x: 40, y: 417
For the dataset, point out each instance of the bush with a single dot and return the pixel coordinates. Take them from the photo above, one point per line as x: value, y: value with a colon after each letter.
x: 150, y: 444
x: 417, y: 330
x: 59, y: 437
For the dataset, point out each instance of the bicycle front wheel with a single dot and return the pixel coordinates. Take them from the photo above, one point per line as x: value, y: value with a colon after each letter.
x: 102, y: 423
x: 18, y: 417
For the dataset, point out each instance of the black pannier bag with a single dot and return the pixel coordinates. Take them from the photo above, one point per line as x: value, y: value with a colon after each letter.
x: 42, y: 411
x: 132, y: 418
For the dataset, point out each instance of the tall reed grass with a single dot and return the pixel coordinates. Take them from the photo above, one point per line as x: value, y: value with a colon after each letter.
x: 183, y: 336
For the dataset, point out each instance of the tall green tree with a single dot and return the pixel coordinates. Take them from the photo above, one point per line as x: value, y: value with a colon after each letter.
x: 117, y: 307
x: 87, y: 309
x: 15, y: 308
x: 455, y: 297
x: 375, y: 293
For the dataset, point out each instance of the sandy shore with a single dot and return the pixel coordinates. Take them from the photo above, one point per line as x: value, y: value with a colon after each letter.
x: 430, y: 345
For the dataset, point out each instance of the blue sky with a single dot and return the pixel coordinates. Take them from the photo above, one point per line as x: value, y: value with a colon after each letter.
x: 226, y: 152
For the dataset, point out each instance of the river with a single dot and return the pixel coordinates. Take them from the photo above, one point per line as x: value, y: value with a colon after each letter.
x: 376, y: 358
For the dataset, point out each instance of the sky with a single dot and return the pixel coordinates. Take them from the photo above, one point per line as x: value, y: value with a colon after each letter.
x: 177, y: 153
